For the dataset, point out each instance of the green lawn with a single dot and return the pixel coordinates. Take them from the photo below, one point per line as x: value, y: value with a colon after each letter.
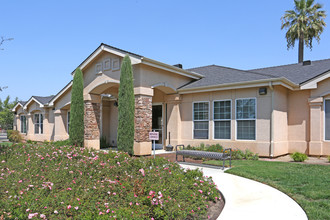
x: 307, y: 184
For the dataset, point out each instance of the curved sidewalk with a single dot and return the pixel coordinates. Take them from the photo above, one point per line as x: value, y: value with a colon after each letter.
x: 248, y: 199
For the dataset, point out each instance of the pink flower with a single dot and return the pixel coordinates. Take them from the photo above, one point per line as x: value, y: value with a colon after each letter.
x: 108, y: 211
x: 42, y: 216
x: 55, y: 211
x: 78, y: 199
x: 20, y: 181
x: 200, y: 191
x: 69, y: 188
x: 100, y: 213
x: 142, y: 171
x: 76, y: 208
x: 32, y: 215
x: 130, y: 203
x: 69, y: 207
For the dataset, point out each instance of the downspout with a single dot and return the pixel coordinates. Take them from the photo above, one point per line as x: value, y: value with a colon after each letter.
x: 271, y: 147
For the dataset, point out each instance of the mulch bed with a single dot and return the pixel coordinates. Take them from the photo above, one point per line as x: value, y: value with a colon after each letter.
x: 214, y: 208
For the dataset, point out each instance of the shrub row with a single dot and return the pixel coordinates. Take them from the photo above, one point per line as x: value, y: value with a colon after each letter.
x: 237, y: 154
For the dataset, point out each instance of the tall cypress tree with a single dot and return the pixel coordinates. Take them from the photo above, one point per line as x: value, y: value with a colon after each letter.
x: 76, y: 131
x: 126, y: 107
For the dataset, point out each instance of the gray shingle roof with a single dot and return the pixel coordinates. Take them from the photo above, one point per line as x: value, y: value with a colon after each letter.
x: 43, y: 99
x: 297, y: 73
x: 22, y: 102
x: 218, y: 75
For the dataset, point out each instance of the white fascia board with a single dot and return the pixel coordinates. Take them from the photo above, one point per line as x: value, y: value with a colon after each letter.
x: 171, y: 68
x: 134, y: 60
x: 312, y: 84
x: 14, y: 109
x: 51, y: 102
x: 30, y: 100
x: 250, y: 84
x: 95, y: 54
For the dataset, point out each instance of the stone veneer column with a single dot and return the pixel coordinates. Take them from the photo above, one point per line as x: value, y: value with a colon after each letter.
x: 143, y: 124
x: 92, y: 125
x: 316, y: 131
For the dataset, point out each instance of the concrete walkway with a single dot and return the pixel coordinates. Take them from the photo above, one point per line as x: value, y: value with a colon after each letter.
x: 248, y: 199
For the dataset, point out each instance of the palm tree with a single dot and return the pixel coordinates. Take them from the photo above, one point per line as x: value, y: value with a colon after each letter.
x: 304, y: 23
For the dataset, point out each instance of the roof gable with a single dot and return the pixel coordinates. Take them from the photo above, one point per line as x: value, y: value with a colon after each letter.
x: 41, y: 100
x: 136, y: 59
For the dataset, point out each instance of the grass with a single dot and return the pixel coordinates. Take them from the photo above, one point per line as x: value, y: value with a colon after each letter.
x: 307, y: 184
x: 47, y: 181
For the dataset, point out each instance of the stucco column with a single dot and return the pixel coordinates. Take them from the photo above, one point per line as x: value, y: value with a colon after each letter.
x: 60, y: 125
x: 315, y: 144
x: 143, y: 120
x: 173, y: 119
x: 30, y: 126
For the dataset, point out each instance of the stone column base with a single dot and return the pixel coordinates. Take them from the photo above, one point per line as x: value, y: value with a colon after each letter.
x: 142, y: 148
x: 315, y: 148
x: 92, y: 144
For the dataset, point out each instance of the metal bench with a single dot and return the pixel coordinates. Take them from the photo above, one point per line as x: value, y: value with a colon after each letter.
x: 226, y: 155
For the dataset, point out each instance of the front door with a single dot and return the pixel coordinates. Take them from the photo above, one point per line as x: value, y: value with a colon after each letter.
x: 157, y: 124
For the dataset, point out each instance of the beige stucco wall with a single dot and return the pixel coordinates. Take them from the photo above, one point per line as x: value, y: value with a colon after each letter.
x: 280, y: 123
x: 60, y: 116
x: 48, y: 122
x: 262, y: 142
x: 298, y: 121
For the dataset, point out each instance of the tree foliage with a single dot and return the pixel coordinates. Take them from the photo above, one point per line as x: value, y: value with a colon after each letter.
x: 6, y: 115
x: 3, y: 39
x: 126, y: 107
x: 304, y: 23
x: 76, y: 131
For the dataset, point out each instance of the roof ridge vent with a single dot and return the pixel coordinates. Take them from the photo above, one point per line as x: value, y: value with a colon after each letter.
x: 307, y: 63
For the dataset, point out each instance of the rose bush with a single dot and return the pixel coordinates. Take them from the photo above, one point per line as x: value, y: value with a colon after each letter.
x: 60, y: 182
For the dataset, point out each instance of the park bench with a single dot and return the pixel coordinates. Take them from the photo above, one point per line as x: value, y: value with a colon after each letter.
x: 225, y: 155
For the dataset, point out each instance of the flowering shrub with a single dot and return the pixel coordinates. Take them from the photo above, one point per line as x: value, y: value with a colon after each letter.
x: 60, y: 182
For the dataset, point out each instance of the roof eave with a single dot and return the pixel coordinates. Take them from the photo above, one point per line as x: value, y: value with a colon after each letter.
x: 248, y: 84
x: 174, y: 69
x: 60, y: 93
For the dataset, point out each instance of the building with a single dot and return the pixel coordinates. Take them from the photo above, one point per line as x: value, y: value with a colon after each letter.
x: 271, y: 111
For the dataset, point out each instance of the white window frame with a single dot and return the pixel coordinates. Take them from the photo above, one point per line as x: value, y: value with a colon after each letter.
x: 256, y: 108
x: 208, y: 120
x: 68, y: 121
x: 21, y: 130
x: 39, y: 124
x: 215, y: 120
x: 324, y: 126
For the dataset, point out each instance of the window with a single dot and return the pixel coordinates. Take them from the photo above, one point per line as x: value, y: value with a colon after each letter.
x: 246, y: 119
x: 201, y: 120
x: 327, y: 119
x: 68, y: 124
x: 38, y: 124
x: 222, y: 117
x: 23, y: 124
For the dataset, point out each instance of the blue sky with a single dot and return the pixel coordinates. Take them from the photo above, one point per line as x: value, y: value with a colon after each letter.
x: 53, y: 37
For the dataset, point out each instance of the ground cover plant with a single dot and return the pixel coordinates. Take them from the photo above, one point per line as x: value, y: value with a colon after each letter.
x: 307, y: 184
x: 63, y: 182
